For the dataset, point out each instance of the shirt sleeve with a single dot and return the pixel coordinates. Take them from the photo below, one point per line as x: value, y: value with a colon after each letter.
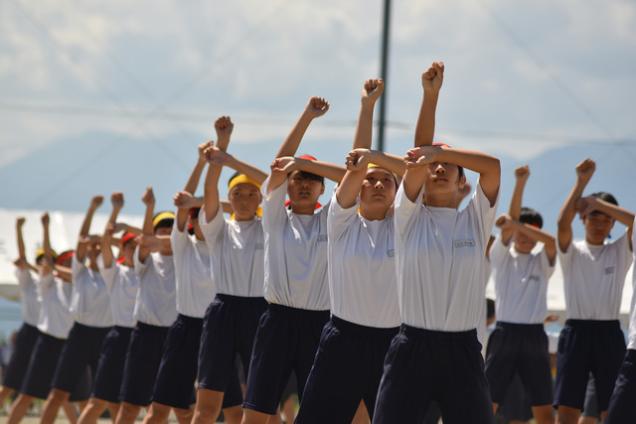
x: 339, y: 219
x: 24, y: 276
x: 179, y: 240
x: 498, y: 252
x: 274, y: 213
x: 213, y: 230
x: 141, y: 267
x: 405, y: 211
x: 108, y: 274
x: 77, y: 267
x: 546, y: 267
x: 624, y: 253
x: 484, y: 214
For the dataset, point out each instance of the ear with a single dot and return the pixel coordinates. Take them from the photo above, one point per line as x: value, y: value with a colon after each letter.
x: 461, y: 181
x: 322, y: 189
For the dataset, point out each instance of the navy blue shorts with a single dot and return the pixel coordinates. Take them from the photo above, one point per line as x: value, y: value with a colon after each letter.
x: 229, y: 327
x: 622, y: 407
x: 287, y: 339
x: 347, y: 369
x: 38, y: 378
x: 19, y: 363
x: 110, y: 369
x: 84, y: 386
x: 516, y: 403
x: 423, y: 365
x: 142, y: 363
x: 82, y: 349
x: 519, y: 349
x: 588, y: 346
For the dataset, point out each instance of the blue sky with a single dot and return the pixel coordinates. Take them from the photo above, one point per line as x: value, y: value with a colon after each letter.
x: 88, y: 79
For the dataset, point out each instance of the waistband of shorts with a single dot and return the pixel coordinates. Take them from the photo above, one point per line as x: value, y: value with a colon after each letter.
x: 363, y: 330
x: 593, y: 323
x: 437, y: 334
x: 241, y: 299
x: 30, y: 326
x: 189, y: 319
x: 149, y: 327
x: 123, y: 329
x: 288, y: 310
x: 90, y: 328
x: 50, y: 337
x: 520, y: 327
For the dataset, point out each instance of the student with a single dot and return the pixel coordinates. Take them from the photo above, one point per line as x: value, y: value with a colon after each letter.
x: 296, y: 285
x: 122, y: 284
x: 622, y: 408
x: 155, y: 310
x: 236, y: 262
x: 28, y: 333
x: 90, y: 306
x: 54, y: 323
x: 195, y: 291
x: 441, y: 260
x: 364, y: 307
x: 593, y: 278
x: 519, y: 344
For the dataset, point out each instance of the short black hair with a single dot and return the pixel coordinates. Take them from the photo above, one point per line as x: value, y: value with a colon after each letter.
x: 304, y: 175
x: 608, y: 197
x: 460, y: 170
x: 531, y: 216
x: 490, y: 308
x: 164, y: 223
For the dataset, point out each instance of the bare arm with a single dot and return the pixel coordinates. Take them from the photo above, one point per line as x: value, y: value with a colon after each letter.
x: 63, y: 272
x: 155, y: 243
x: 149, y: 200
x: 122, y: 226
x: 252, y: 172
x: 621, y: 215
x: 86, y: 226
x: 47, y: 267
x: 327, y: 170
x: 521, y: 177
x: 432, y: 83
x: 584, y: 171
x: 19, y: 223
x: 192, y: 184
x: 117, y: 202
x: 349, y: 187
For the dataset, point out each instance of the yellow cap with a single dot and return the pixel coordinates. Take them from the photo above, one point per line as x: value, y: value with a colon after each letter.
x: 160, y: 217
x: 242, y: 179
x: 372, y: 165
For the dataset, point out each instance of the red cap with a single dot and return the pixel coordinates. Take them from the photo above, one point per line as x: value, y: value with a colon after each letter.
x: 127, y: 237
x: 307, y: 157
x: 64, y: 256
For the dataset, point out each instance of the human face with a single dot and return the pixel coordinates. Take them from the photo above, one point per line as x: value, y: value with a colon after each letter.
x: 523, y: 243
x: 378, y: 189
x: 245, y: 199
x: 597, y: 227
x: 163, y: 231
x: 303, y: 192
x: 444, y: 178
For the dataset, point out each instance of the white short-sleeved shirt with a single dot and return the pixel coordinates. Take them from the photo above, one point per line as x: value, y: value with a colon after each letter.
x: 236, y: 254
x: 295, y: 254
x: 28, y: 296
x: 156, y: 302
x: 90, y: 301
x: 441, y: 262
x: 631, y: 344
x: 521, y: 283
x: 362, y: 268
x: 123, y: 284
x: 195, y: 290
x: 594, y: 277
x: 55, y: 316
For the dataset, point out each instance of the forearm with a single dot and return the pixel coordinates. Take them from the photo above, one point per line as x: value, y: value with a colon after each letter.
x: 533, y: 232
x: 621, y: 215
x: 327, y: 170
x: 211, y: 192
x: 20, y: 238
x: 363, y: 135
x: 64, y: 272
x: 107, y: 253
x: 46, y: 245
x: 390, y: 162
x: 413, y: 181
x: 195, y: 176
x: 291, y: 143
x: 487, y: 166
x: 245, y: 168
x: 568, y: 210
x: 133, y: 230
x: 349, y: 188
x: 517, y: 197
x: 425, y: 127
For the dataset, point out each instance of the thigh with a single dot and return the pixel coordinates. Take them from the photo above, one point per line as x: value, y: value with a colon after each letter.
x: 573, y: 368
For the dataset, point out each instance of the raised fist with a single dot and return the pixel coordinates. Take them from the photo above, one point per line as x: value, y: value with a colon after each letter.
x: 97, y: 201
x: 504, y: 221
x: 522, y: 173
x: 585, y: 206
x: 183, y: 200
x: 585, y: 169
x: 117, y: 200
x: 201, y: 149
x: 46, y: 220
x: 284, y: 164
x: 317, y: 106
x: 421, y: 156
x: 223, y: 127
x: 358, y: 159
x: 149, y: 197
x: 20, y: 221
x: 433, y: 77
x: 372, y: 90
x: 216, y: 156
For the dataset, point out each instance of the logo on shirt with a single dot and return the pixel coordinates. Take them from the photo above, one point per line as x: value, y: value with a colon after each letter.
x: 457, y: 244
x: 609, y: 270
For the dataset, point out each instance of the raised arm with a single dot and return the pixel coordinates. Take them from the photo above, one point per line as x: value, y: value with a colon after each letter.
x: 349, y: 187
x: 19, y: 224
x: 488, y: 167
x: 591, y: 204
x: 507, y: 224
x: 149, y: 200
x: 86, y: 227
x: 117, y: 202
x: 521, y: 177
x: 47, y: 263
x: 432, y: 80
x: 221, y: 158
x: 328, y: 170
x: 192, y: 184
x: 584, y: 172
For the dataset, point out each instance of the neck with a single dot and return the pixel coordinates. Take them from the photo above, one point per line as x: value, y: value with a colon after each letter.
x: 594, y: 242
x: 441, y: 200
x: 303, y: 210
x: 373, y: 213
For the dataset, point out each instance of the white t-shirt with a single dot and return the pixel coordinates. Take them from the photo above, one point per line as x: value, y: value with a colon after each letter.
x: 632, y: 321
x: 123, y: 284
x: 236, y: 254
x: 55, y: 316
x: 295, y: 254
x: 28, y: 296
x: 156, y: 302
x: 594, y: 277
x: 441, y: 262
x: 362, y: 268
x: 521, y: 283
x: 195, y: 290
x: 90, y: 301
